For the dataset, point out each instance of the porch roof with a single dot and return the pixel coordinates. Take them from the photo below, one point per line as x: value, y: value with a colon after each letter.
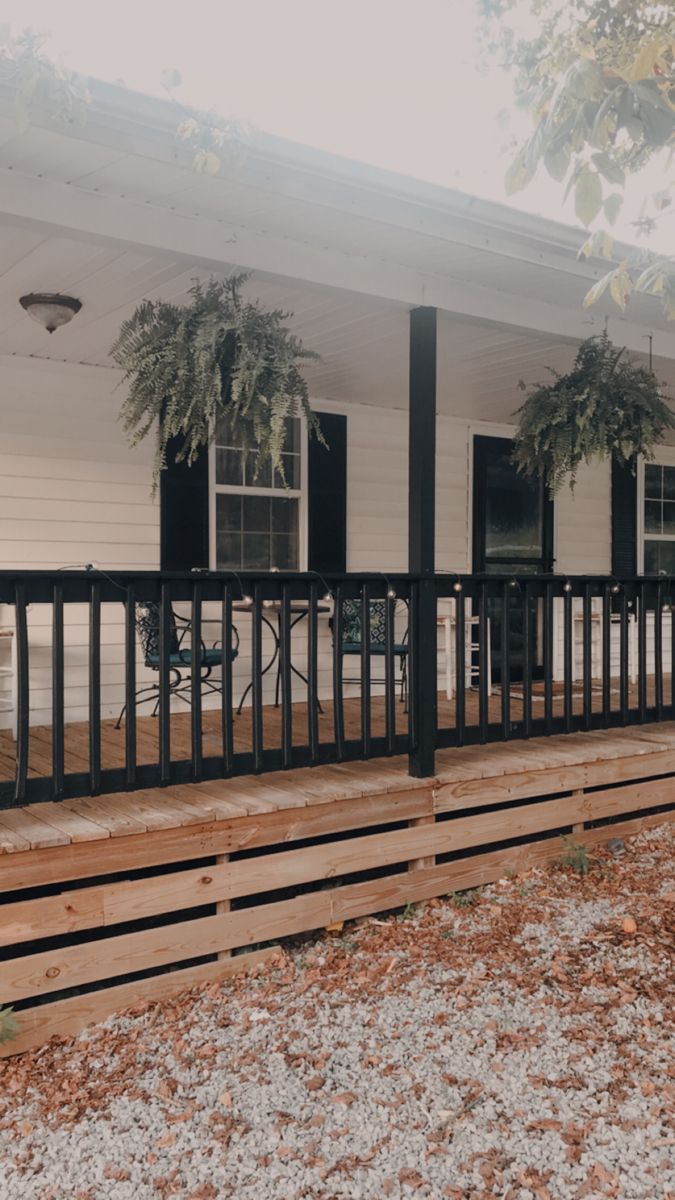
x: 114, y: 212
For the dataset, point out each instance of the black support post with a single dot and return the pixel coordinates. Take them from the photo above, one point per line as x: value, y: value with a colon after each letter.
x: 421, y: 540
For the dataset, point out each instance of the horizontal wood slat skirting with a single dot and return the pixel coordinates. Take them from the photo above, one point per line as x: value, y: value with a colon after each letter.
x: 110, y: 926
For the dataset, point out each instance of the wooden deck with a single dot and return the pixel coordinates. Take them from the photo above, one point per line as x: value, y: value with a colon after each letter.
x: 147, y: 734
x: 195, y: 873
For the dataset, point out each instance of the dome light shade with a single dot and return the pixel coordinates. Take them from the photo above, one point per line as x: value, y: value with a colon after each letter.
x: 49, y: 309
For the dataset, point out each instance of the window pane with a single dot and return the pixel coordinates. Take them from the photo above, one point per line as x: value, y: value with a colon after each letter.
x: 258, y: 474
x: 669, y: 517
x: 256, y: 555
x: 653, y: 481
x: 284, y: 553
x: 228, y: 551
x: 293, y: 429
x: 284, y: 516
x: 228, y: 513
x: 229, y: 466
x: 668, y: 483
x: 256, y: 514
x: 291, y: 476
x: 659, y: 558
x: 653, y: 516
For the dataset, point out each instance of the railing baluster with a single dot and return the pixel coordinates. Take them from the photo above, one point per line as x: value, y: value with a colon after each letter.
x: 460, y: 665
x: 130, y: 685
x: 389, y: 675
x: 285, y: 675
x: 672, y: 654
x: 22, y: 694
x: 505, y: 669
x: 483, y: 714
x: 257, y: 681
x: 196, y: 683
x: 226, y: 719
x: 606, y: 655
x: 588, y: 656
x: 164, y: 711
x: 642, y: 650
x: 365, y: 670
x: 527, y: 660
x: 568, y: 663
x: 338, y: 690
x: 95, y: 689
x: 624, y: 696
x: 658, y: 652
x: 548, y: 656
x: 312, y: 674
x: 58, y: 732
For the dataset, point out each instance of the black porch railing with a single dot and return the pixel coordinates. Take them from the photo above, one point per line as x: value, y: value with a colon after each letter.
x: 326, y: 669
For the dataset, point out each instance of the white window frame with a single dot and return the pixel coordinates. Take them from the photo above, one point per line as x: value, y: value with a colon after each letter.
x: 664, y: 457
x: 299, y: 494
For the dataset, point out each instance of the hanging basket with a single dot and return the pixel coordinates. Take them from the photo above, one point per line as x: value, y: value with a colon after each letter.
x: 189, y: 365
x: 606, y: 406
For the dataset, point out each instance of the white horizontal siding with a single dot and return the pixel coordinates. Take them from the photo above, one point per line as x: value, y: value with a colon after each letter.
x: 583, y: 521
x: 71, y: 493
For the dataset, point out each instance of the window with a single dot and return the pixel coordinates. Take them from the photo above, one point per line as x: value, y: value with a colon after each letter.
x: 256, y: 518
x: 659, y: 519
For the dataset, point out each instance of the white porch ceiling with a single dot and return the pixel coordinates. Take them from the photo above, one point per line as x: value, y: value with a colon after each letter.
x: 362, y: 342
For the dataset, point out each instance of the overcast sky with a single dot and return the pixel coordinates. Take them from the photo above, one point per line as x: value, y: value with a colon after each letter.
x: 390, y: 82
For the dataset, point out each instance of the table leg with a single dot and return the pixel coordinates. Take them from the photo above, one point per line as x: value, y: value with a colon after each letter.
x: 269, y: 666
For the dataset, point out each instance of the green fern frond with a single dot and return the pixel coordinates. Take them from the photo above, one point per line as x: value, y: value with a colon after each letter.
x: 189, y: 365
x: 605, y: 406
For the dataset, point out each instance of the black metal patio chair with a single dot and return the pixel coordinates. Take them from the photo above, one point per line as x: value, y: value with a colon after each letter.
x: 352, y: 636
x: 180, y: 656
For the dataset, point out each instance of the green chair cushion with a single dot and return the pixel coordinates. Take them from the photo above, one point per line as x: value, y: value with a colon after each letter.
x: 183, y: 658
x: 400, y: 648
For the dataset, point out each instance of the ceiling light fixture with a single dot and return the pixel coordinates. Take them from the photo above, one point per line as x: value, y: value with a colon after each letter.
x: 50, y: 309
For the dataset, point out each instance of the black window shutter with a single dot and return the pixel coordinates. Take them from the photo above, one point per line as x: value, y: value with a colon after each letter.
x: 184, y: 512
x: 327, y: 499
x: 624, y: 518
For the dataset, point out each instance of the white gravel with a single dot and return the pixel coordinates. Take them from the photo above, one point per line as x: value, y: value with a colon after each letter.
x: 521, y: 1049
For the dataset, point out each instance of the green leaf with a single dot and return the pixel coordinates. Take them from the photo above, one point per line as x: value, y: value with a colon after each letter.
x: 612, y: 206
x: 557, y: 162
x: 600, y: 244
x: 587, y: 196
x: 593, y: 294
x: 620, y: 285
x: 519, y: 173
x: 611, y: 170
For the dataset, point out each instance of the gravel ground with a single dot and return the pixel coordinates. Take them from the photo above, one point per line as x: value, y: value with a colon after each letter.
x: 517, y: 1044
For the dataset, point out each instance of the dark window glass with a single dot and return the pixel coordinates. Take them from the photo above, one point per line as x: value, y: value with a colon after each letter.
x: 668, y: 483
x: 228, y: 512
x: 659, y: 558
x: 256, y: 514
x: 653, y: 481
x: 653, y: 516
x: 514, y: 513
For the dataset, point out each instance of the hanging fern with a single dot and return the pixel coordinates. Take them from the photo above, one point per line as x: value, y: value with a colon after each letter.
x: 220, y: 355
x: 605, y: 406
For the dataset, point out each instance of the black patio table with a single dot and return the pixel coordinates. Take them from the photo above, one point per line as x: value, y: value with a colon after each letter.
x: 273, y: 608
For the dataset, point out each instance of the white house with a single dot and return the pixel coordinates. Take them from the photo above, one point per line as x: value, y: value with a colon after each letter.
x: 113, y: 212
